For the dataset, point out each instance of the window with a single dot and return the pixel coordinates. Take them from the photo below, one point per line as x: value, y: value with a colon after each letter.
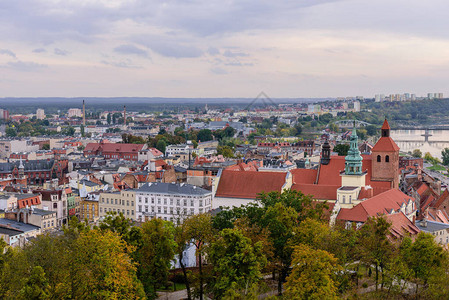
x: 344, y: 199
x: 378, y: 158
x: 158, y: 200
x: 146, y: 208
x: 165, y: 201
x: 165, y: 210
x: 101, y: 209
x: 127, y: 212
x: 140, y: 208
x: 171, y: 210
x: 132, y: 203
x: 185, y: 202
x: 387, y: 158
x: 132, y: 212
x: 55, y: 205
x: 115, y: 201
x: 192, y: 203
x: 127, y: 202
x: 192, y: 211
x: 171, y: 201
x: 201, y: 203
x: 107, y: 200
x: 159, y: 209
x: 140, y: 199
x: 152, y: 200
x: 146, y: 200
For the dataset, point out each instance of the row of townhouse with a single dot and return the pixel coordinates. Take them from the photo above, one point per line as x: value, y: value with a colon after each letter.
x: 168, y: 201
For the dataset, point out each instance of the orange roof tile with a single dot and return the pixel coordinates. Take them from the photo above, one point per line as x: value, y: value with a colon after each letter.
x: 249, y: 184
x: 385, y: 125
x: 304, y: 175
x: 385, y: 144
x: 319, y: 192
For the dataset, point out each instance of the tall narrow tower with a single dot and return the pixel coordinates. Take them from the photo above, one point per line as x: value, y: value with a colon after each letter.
x: 84, y: 114
x: 124, y: 115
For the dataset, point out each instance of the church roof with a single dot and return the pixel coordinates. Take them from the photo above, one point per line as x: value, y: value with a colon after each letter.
x: 385, y: 125
x: 385, y: 144
x: 249, y: 184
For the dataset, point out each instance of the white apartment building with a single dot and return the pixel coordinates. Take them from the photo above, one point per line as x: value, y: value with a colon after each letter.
x: 173, y: 150
x: 40, y: 114
x: 75, y: 112
x: 171, y: 201
x: 120, y: 202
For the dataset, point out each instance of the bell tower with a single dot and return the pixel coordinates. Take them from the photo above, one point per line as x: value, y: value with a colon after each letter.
x: 385, y: 158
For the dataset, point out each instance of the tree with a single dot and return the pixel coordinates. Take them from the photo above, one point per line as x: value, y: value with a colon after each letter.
x: 183, y: 242
x: 417, y: 153
x: 82, y: 129
x: 226, y: 151
x: 445, y: 156
x: 342, y: 149
x: 431, y: 159
x: 199, y: 230
x: 425, y: 258
x: 161, y: 146
x: 158, y: 249
x: 10, y: 131
x: 229, y: 131
x: 36, y: 286
x: 236, y: 262
x: 204, y: 135
x: 100, y: 267
x: 374, y: 246
x: 313, y: 274
x: 109, y: 119
x: 46, y: 147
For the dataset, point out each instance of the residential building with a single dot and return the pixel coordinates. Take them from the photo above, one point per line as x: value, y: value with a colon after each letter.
x: 55, y: 200
x: 114, y: 150
x: 40, y: 114
x: 171, y: 201
x: 75, y: 112
x: 121, y: 202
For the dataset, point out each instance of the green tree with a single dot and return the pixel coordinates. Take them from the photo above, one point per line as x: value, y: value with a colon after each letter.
x: 417, y: 153
x: 237, y: 264
x: 183, y: 242
x: 226, y: 151
x: 11, y: 131
x: 109, y: 119
x: 229, y: 131
x: 445, y: 156
x: 158, y: 249
x: 82, y: 129
x: 199, y: 229
x: 161, y: 146
x: 313, y: 274
x: 425, y: 258
x: 341, y: 149
x: 36, y: 286
x: 204, y: 135
x: 375, y: 249
x: 46, y: 147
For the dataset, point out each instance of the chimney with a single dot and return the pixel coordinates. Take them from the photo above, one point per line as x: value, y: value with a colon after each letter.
x: 124, y: 115
x: 424, y: 223
x: 152, y: 165
x: 84, y: 114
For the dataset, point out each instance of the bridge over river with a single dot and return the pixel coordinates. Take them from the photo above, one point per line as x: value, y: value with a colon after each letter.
x: 427, y: 140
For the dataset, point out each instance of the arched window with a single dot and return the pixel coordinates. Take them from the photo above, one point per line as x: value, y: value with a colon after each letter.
x: 378, y: 158
x: 387, y: 158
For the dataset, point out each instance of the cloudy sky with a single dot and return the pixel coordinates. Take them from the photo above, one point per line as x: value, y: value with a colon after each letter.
x: 223, y: 48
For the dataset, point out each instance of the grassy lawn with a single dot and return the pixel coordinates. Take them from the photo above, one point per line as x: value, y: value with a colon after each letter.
x: 437, y: 168
x: 179, y: 286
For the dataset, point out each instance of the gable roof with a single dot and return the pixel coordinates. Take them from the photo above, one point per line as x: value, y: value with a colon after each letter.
x: 401, y: 226
x: 249, y: 184
x: 304, y: 176
x: 384, y: 203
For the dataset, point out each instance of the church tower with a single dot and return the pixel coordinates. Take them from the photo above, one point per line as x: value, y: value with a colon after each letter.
x: 353, y: 161
x: 385, y: 158
x: 325, y: 153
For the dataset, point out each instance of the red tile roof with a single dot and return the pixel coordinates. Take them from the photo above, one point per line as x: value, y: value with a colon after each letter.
x: 385, y: 125
x: 330, y: 173
x: 440, y: 200
x: 319, y: 192
x: 248, y: 184
x: 304, y: 176
x: 401, y: 226
x: 381, y: 204
x: 114, y: 147
x: 385, y: 144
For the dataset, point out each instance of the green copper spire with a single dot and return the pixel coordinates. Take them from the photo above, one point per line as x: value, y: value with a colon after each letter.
x: 353, y: 161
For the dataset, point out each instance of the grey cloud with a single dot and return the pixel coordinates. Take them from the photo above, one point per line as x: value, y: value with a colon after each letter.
x: 7, y: 52
x: 121, y: 64
x: 130, y: 49
x: 61, y: 52
x: 169, y: 46
x: 26, y: 66
x: 218, y: 71
x: 213, y: 51
x: 39, y: 50
x: 229, y: 53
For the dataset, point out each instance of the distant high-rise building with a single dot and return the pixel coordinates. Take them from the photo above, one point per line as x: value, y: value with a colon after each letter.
x: 74, y: 112
x: 40, y: 114
x: 4, y: 114
x: 430, y: 95
x: 356, y: 106
x: 440, y: 95
x: 407, y: 96
x: 379, y: 97
x: 413, y: 97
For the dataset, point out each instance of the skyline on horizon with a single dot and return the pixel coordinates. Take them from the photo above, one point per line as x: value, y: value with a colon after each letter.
x: 199, y: 49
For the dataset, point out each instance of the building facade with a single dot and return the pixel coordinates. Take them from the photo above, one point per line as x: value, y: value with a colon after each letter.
x: 171, y: 201
x: 120, y: 202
